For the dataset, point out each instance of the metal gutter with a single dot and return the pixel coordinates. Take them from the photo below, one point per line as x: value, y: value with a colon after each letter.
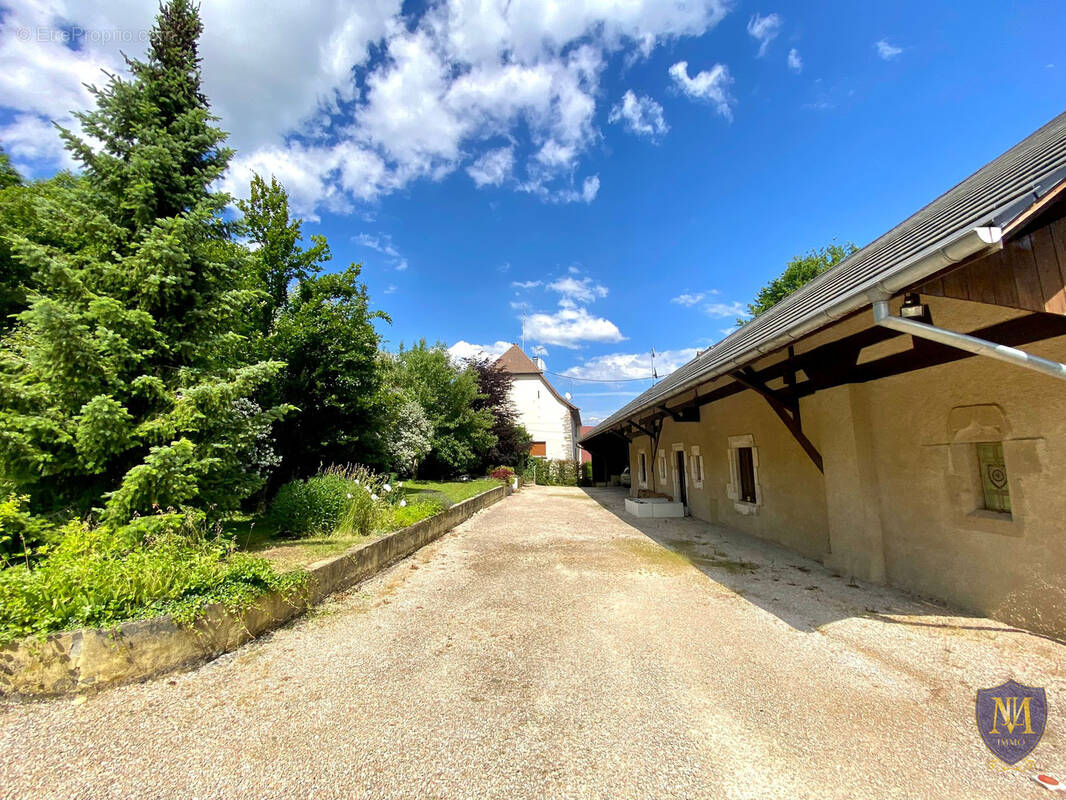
x: 971, y: 344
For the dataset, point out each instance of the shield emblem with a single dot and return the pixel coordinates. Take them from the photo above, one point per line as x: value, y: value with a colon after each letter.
x: 1011, y: 719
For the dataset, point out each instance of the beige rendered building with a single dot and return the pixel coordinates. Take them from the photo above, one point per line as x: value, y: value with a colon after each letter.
x: 852, y: 422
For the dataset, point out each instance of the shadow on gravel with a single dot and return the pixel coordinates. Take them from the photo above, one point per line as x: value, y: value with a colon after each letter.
x: 795, y: 589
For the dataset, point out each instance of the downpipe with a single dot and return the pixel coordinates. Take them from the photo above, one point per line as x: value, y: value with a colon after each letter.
x: 962, y: 341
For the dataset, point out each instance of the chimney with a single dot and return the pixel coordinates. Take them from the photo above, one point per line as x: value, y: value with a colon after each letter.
x: 540, y: 363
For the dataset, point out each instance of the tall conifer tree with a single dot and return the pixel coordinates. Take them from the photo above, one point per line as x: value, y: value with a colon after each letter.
x: 121, y: 382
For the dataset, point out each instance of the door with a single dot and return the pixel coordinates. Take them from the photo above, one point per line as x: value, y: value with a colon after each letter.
x: 682, y: 491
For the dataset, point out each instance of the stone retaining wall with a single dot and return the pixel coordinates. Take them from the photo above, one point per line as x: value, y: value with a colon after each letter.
x: 93, y: 658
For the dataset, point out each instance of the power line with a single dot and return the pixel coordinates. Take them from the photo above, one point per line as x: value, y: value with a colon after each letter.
x: 598, y: 380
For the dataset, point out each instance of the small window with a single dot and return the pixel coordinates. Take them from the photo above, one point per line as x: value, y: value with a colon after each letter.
x: 993, y: 469
x: 643, y: 472
x: 697, y: 468
x: 538, y: 449
x: 746, y: 473
x: 662, y: 466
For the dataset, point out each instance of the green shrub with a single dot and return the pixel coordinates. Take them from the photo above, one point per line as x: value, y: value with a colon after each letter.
x: 97, y: 577
x: 361, y: 513
x: 312, y: 507
x: 551, y: 472
x: 341, y: 499
x: 22, y: 536
x: 407, y: 513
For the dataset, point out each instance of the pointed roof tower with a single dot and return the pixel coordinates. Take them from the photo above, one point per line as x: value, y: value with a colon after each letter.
x: 517, y: 363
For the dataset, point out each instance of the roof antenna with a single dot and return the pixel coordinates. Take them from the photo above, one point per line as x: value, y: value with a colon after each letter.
x: 654, y: 374
x: 523, y: 327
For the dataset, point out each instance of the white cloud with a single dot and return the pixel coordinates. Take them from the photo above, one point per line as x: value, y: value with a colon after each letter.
x: 712, y: 85
x: 626, y: 366
x: 887, y: 51
x: 569, y: 327
x: 266, y: 74
x: 316, y: 177
x: 526, y: 284
x: 382, y: 243
x: 688, y: 298
x: 390, y: 289
x: 303, y: 100
x: 795, y: 60
x: 733, y: 309
x: 764, y: 29
x: 641, y: 115
x: 463, y: 350
x: 578, y: 291
x: 586, y: 194
x: 30, y: 140
x: 493, y: 168
x: 478, y: 30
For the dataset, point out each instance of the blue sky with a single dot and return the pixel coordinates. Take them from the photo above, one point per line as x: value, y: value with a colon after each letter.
x: 611, y: 177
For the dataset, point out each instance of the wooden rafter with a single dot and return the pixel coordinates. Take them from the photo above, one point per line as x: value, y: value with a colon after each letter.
x: 788, y: 412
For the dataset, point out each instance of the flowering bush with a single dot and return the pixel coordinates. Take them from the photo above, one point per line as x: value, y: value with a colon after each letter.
x: 346, y: 500
x: 364, y: 507
x: 505, y: 474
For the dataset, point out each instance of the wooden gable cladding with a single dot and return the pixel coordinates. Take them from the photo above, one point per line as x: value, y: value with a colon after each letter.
x: 1028, y: 273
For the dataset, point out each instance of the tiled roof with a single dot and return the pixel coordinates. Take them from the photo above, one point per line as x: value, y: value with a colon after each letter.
x: 516, y: 362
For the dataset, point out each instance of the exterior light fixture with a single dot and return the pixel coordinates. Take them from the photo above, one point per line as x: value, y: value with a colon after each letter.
x: 913, y: 308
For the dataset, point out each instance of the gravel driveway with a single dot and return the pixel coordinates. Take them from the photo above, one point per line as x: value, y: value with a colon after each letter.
x: 548, y: 648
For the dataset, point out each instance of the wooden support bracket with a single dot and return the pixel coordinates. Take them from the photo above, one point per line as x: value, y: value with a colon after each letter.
x: 789, y: 414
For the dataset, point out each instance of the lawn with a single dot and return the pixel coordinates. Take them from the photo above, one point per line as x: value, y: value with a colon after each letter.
x: 257, y: 534
x: 454, y: 491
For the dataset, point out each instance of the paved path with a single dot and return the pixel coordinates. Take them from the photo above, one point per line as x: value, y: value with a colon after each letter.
x: 547, y: 648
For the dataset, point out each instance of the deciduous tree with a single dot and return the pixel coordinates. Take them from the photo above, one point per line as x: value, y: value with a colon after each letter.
x: 512, y: 440
x: 279, y: 260
x: 449, y: 396
x: 798, y: 272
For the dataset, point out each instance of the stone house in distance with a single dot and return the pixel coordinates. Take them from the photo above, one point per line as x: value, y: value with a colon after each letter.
x: 551, y: 419
x: 902, y: 418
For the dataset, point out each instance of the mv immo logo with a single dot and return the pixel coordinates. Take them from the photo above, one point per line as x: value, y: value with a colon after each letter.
x: 1011, y: 719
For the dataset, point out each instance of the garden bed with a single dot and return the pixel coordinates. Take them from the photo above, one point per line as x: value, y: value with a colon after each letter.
x: 260, y: 536
x: 93, y: 658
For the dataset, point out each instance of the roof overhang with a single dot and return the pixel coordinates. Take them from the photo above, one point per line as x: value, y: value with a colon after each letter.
x: 953, y: 250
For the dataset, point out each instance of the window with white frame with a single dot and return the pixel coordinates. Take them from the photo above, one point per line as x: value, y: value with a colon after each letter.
x: 662, y: 468
x: 642, y: 469
x: 744, y: 488
x: 697, y: 467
